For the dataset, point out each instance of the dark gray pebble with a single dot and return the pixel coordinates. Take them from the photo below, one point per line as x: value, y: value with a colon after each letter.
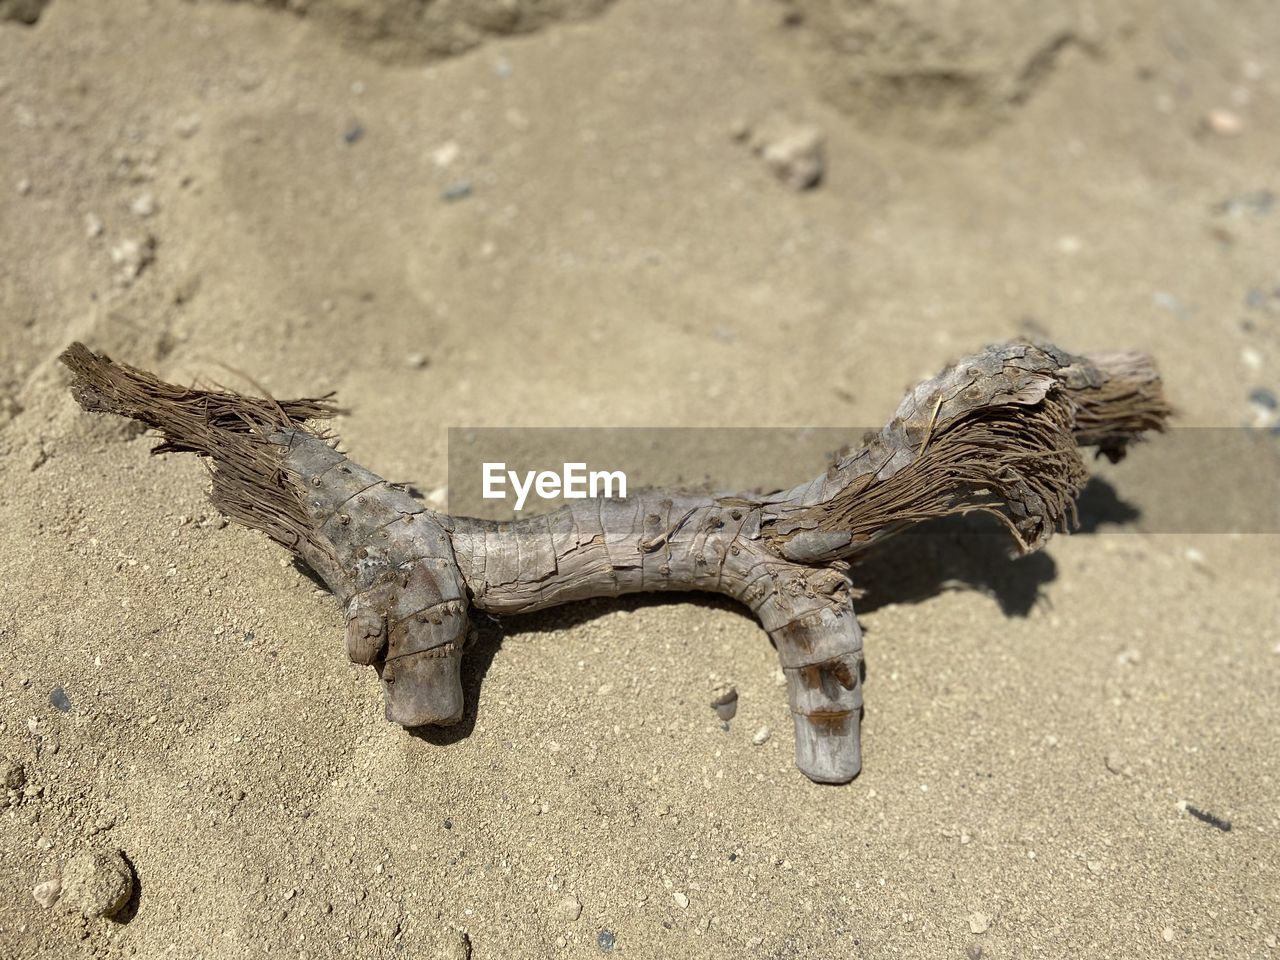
x: 725, y: 703
x: 59, y: 700
x: 1263, y: 398
x: 457, y: 190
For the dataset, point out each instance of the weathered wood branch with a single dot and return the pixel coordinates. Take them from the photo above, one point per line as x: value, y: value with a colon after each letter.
x: 998, y: 432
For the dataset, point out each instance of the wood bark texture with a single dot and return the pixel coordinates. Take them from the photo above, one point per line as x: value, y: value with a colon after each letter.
x: 999, y: 432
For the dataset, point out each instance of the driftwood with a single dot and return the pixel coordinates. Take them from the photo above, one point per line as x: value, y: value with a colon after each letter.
x: 999, y: 432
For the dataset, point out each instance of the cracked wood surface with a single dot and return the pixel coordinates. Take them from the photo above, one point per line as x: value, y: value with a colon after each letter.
x: 999, y: 432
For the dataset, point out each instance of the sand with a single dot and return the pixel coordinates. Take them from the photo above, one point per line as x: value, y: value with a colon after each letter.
x: 231, y: 192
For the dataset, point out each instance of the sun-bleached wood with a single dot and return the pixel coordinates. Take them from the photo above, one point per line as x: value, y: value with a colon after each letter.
x: 998, y: 432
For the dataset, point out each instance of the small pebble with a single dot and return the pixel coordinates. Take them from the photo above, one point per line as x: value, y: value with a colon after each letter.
x: 457, y: 190
x: 97, y: 884
x: 682, y: 901
x: 353, y: 134
x: 571, y: 908
x: 46, y: 894
x: 131, y: 257
x: 1095, y: 866
x: 796, y: 154
x: 24, y: 186
x: 59, y: 700
x: 761, y: 737
x: 92, y: 226
x: 979, y: 923
x: 724, y: 700
x: 1167, y: 934
x: 144, y: 205
x: 1117, y: 763
x: 1266, y: 411
x: 416, y: 361
x: 1224, y: 123
x: 1263, y: 397
x: 13, y: 775
x: 1259, y: 202
x: 605, y: 940
x: 973, y: 951
x: 443, y: 155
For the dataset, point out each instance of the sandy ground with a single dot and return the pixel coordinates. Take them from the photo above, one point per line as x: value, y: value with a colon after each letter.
x: 197, y: 187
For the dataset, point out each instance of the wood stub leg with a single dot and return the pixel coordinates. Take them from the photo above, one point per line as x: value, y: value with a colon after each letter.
x: 821, y: 655
x: 421, y: 689
x: 421, y: 675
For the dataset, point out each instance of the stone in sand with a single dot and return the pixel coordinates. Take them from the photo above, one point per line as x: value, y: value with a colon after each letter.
x: 97, y: 883
x: 1224, y: 123
x: 795, y: 153
x: 12, y: 774
x: 46, y: 894
x: 724, y: 700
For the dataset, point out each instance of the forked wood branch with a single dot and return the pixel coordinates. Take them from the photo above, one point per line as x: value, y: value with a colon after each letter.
x: 999, y: 432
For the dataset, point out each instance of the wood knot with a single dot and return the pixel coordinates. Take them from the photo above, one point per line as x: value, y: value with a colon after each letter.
x: 366, y: 636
